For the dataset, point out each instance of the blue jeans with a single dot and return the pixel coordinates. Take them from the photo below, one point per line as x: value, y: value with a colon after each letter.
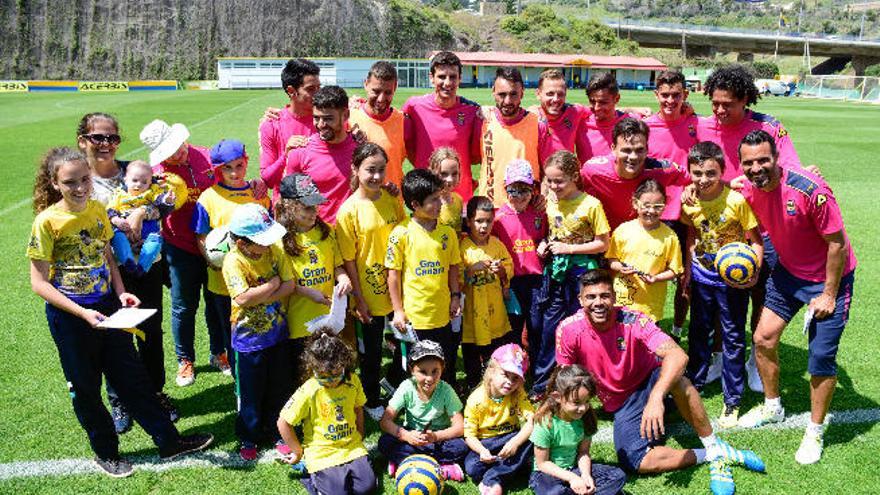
x: 188, y: 278
x: 609, y: 480
x: 502, y: 470
x: 450, y: 451
x: 556, y: 302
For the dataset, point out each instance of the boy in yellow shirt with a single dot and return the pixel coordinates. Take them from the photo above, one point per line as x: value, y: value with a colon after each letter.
x: 422, y: 262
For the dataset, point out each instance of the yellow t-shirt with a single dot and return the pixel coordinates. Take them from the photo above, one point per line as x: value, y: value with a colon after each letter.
x: 214, y: 209
x: 578, y: 220
x: 650, y: 251
x: 313, y: 268
x: 73, y: 245
x: 330, y: 435
x: 386, y: 133
x: 124, y: 202
x: 485, y: 417
x: 423, y: 259
x: 362, y: 230
x: 450, y: 213
x: 720, y: 221
x: 484, y: 317
x: 262, y: 325
x: 501, y: 144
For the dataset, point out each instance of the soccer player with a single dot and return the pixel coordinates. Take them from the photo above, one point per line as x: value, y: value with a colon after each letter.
x: 563, y: 119
x: 380, y: 123
x: 815, y: 267
x: 327, y: 156
x: 595, y: 137
x: 443, y: 118
x: 613, y: 178
x: 509, y: 132
x: 299, y: 80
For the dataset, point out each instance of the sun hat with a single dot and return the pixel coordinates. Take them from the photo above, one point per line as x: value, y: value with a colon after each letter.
x: 163, y: 140
x: 226, y: 151
x: 301, y: 188
x: 253, y: 222
x: 518, y: 170
x: 423, y: 349
x: 511, y: 358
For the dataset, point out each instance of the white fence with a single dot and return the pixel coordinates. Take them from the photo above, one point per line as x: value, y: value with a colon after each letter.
x: 856, y: 88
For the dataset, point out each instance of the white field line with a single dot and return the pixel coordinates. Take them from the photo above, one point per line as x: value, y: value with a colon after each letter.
x: 225, y: 459
x: 26, y: 201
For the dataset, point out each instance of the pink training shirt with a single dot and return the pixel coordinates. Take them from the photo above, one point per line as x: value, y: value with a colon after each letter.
x: 796, y: 215
x: 329, y: 166
x: 616, y: 193
x: 620, y: 358
x: 274, y: 135
x: 521, y: 233
x: 729, y: 137
x: 564, y: 129
x: 428, y: 127
x: 672, y: 141
x: 594, y: 137
x: 198, y: 174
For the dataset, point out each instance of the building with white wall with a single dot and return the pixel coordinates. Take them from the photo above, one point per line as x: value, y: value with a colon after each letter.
x: 265, y: 73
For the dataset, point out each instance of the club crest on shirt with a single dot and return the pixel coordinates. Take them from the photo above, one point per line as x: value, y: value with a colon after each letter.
x: 538, y: 223
x: 621, y: 344
x: 692, y: 131
x: 313, y: 257
x: 444, y: 241
x: 567, y: 123
x: 790, y: 207
x: 461, y: 118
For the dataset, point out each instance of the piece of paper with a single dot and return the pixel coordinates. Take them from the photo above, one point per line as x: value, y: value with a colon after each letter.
x: 127, y: 318
x: 808, y: 319
x: 335, y: 321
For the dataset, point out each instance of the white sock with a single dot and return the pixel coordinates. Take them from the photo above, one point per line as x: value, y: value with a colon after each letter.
x: 709, y: 441
x: 815, y: 429
x: 701, y: 455
x: 773, y: 404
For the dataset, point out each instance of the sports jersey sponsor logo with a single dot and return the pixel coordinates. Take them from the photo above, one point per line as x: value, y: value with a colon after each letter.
x: 13, y: 86
x: 523, y: 246
x: 781, y: 133
x: 821, y: 199
x: 428, y: 268
x: 314, y: 276
x: 103, y: 86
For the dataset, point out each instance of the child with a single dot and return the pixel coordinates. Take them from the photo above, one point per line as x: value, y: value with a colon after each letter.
x: 330, y: 407
x: 487, y: 268
x: 422, y: 262
x: 310, y: 246
x: 432, y: 421
x: 257, y: 279
x: 498, y: 421
x: 720, y: 216
x: 521, y: 229
x: 214, y: 209
x: 645, y: 253
x: 444, y: 163
x: 140, y: 192
x: 73, y: 269
x: 564, y: 426
x: 363, y: 224
x: 578, y: 234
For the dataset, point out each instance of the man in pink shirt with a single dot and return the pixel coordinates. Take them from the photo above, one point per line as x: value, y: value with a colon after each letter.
x: 563, y: 119
x: 613, y: 178
x: 326, y: 158
x: 594, y: 138
x: 443, y: 118
x: 815, y: 267
x: 299, y: 80
x: 635, y: 366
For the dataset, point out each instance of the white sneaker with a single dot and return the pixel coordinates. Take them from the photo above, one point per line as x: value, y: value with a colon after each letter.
x: 810, y: 450
x: 761, y: 416
x: 715, y: 366
x: 375, y: 412
x: 754, y: 378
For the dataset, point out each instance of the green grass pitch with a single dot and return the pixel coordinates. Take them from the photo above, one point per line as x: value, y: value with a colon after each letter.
x: 37, y: 421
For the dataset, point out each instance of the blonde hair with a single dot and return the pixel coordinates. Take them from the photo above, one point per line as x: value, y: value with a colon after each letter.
x: 568, y: 163
x: 45, y: 193
x: 440, y: 154
x: 493, y: 367
x: 138, y: 164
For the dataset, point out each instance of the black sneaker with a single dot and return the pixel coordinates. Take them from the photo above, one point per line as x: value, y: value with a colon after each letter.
x: 168, y: 406
x: 115, y: 468
x: 121, y: 418
x: 186, y: 445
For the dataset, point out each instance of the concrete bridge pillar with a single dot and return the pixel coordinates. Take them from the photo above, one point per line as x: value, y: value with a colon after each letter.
x: 698, y: 51
x: 862, y: 62
x: 745, y: 57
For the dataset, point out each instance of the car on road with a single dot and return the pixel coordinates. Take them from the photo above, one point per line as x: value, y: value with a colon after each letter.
x: 772, y: 87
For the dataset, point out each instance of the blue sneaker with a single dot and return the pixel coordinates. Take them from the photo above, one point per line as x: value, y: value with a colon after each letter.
x: 721, y: 478
x: 299, y: 469
x: 121, y: 418
x: 726, y: 452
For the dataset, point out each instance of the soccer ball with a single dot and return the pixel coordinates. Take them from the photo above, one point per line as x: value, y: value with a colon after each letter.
x: 419, y: 475
x: 736, y: 263
x: 217, y: 244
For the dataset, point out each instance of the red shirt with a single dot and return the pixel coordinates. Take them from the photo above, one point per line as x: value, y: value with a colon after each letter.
x: 594, y: 137
x: 620, y: 358
x: 329, y: 166
x: 672, y: 141
x: 274, y: 135
x: 521, y: 233
x: 198, y: 174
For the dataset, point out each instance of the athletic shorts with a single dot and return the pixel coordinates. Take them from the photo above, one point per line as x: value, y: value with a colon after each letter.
x: 787, y: 294
x: 630, y: 446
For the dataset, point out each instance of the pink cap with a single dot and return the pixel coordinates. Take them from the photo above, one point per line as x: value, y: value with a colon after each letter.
x: 512, y: 358
x: 519, y: 170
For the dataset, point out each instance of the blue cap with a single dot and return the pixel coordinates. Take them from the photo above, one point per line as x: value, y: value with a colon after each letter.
x: 253, y: 222
x: 225, y: 151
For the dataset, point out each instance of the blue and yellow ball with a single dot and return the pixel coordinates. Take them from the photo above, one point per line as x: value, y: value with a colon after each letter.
x: 736, y: 263
x: 419, y: 475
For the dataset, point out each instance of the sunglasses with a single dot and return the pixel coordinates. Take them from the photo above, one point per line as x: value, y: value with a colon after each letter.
x: 113, y: 139
x: 518, y: 192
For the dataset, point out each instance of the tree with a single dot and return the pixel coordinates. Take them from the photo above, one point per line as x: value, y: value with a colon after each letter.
x: 765, y: 70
